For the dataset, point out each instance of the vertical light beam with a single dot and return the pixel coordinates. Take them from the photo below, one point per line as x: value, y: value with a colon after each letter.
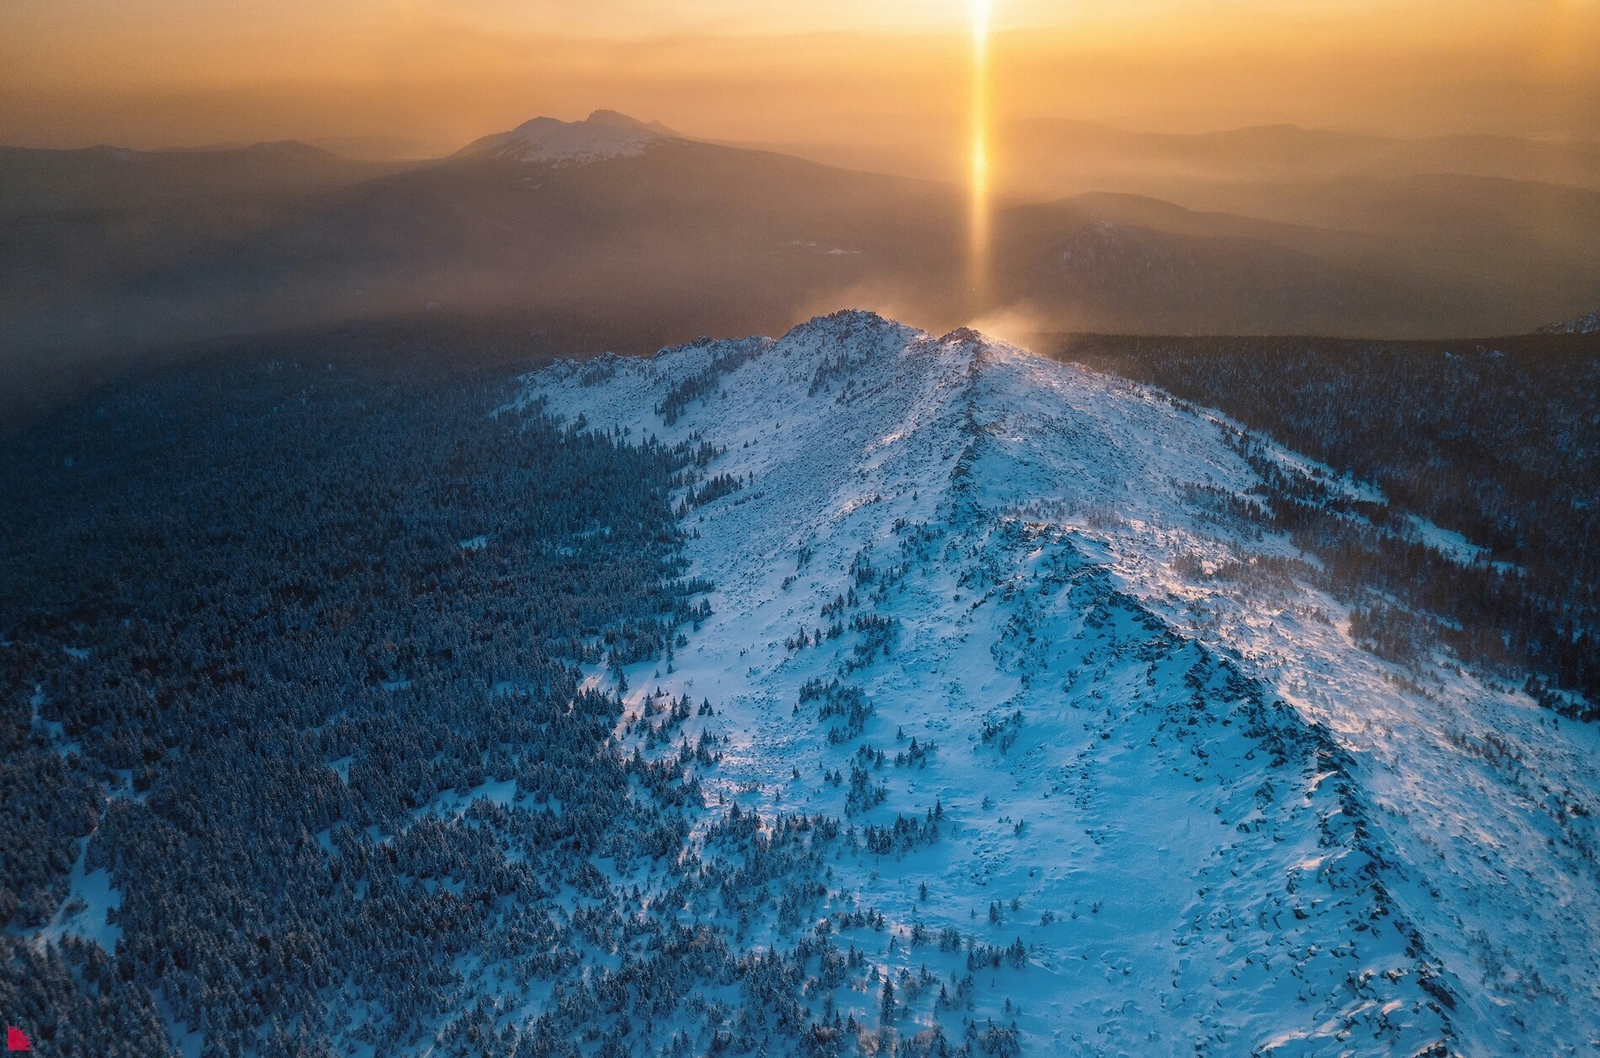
x: 978, y: 210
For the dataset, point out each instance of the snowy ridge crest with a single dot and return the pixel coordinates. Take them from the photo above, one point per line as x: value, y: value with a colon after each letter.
x: 997, y: 594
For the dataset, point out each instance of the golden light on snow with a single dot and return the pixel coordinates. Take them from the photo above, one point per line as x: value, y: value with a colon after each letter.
x: 978, y: 205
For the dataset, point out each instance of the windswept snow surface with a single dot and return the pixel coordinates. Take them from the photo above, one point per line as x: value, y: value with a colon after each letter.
x: 1216, y: 825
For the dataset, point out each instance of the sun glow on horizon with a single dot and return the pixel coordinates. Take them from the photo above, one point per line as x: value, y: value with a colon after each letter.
x: 978, y: 205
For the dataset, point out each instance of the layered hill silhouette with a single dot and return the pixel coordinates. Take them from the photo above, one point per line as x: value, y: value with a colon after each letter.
x: 613, y: 232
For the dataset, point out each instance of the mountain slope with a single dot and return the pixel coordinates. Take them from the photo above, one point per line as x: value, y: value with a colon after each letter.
x: 996, y: 607
x: 854, y: 692
x: 1489, y: 439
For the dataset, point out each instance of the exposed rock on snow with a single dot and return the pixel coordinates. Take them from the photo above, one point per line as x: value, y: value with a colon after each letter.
x: 1210, y: 819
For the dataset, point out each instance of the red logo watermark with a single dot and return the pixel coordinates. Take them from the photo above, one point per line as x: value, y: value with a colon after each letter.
x: 17, y: 1040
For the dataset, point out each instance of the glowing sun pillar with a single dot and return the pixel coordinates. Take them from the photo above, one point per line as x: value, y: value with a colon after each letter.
x: 978, y: 210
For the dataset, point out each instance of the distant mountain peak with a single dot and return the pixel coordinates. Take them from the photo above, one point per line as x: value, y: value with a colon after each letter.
x: 551, y: 141
x: 617, y: 119
x: 1589, y: 324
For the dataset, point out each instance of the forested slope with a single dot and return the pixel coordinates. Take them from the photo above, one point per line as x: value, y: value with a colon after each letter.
x: 320, y: 740
x: 219, y: 580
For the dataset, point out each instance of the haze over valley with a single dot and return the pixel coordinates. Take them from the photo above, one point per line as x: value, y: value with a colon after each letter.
x: 615, y: 233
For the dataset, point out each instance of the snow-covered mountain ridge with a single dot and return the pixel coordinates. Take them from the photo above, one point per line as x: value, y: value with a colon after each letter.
x: 956, y: 581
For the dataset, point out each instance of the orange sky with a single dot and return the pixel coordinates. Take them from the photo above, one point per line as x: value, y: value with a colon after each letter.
x: 424, y: 76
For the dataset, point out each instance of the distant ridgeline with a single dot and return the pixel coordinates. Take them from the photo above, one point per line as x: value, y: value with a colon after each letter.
x: 1498, y: 440
x: 218, y: 581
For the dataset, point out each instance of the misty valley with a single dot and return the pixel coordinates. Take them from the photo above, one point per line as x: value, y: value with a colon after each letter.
x: 613, y: 233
